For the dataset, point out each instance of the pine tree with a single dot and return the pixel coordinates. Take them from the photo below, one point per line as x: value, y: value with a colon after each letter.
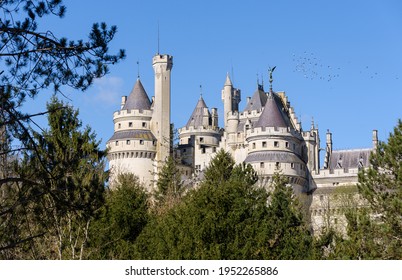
x: 381, y: 186
x: 121, y: 219
x: 169, y: 187
x: 229, y: 217
x: 33, y: 61
x: 61, y: 189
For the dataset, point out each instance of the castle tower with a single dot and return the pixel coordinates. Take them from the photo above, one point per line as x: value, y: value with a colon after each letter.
x: 199, y: 139
x: 160, y: 124
x: 274, y: 144
x: 231, y: 98
x: 132, y: 148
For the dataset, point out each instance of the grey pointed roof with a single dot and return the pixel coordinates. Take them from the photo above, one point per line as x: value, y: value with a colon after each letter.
x: 257, y: 101
x: 198, y: 114
x: 138, y: 98
x: 346, y: 159
x: 273, y: 114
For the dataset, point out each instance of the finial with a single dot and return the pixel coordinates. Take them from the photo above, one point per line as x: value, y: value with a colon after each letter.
x: 270, y: 71
x: 200, y: 91
x: 312, y: 123
x: 258, y: 81
x: 138, y: 69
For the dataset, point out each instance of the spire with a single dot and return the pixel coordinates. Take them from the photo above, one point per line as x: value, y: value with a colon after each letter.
x: 228, y: 82
x: 138, y: 98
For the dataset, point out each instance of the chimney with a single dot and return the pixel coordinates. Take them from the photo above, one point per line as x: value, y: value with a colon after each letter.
x: 375, y: 139
x: 123, y: 101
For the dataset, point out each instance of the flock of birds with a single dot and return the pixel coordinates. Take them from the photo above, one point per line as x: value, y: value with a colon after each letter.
x: 311, y: 67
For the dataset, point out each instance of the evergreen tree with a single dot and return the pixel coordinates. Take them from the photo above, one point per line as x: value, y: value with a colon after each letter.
x: 121, y: 220
x: 381, y: 186
x: 34, y: 60
x: 228, y: 217
x: 169, y: 186
x: 62, y: 187
x: 289, y: 235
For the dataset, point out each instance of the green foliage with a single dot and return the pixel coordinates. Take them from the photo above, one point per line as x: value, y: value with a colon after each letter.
x: 120, y: 221
x: 60, y: 187
x: 374, y: 228
x: 228, y: 217
x: 34, y: 60
x: 169, y: 186
x: 381, y: 186
x: 289, y: 236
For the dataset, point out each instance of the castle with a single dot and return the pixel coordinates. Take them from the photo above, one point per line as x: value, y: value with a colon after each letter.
x: 266, y: 134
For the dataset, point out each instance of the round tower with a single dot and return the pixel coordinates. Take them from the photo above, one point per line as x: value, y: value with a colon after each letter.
x: 132, y: 148
x: 274, y: 145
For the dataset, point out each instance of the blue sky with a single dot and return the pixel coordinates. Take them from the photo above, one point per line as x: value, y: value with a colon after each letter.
x: 339, y: 62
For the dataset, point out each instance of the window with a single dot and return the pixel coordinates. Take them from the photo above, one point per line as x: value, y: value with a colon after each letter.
x: 144, y: 124
x: 277, y: 165
x: 264, y: 144
x: 141, y: 142
x: 117, y: 143
x: 287, y: 144
x: 130, y: 124
x: 202, y: 150
x: 214, y: 149
x: 119, y: 125
x: 292, y: 165
x: 261, y: 165
x: 201, y: 139
x: 253, y: 145
x: 276, y: 144
x: 128, y: 142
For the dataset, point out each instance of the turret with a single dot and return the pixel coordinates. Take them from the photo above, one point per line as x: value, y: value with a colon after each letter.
x: 160, y: 126
x: 231, y: 98
x: 227, y: 99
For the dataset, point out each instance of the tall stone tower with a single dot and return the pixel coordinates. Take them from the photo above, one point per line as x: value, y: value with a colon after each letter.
x: 160, y: 124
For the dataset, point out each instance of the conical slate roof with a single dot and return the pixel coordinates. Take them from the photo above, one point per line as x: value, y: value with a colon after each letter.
x: 273, y: 114
x: 228, y: 82
x: 138, y: 98
x: 198, y: 114
x: 257, y: 101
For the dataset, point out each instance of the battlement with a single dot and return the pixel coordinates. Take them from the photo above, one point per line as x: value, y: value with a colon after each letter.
x: 132, y: 113
x: 163, y: 59
x: 199, y: 129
